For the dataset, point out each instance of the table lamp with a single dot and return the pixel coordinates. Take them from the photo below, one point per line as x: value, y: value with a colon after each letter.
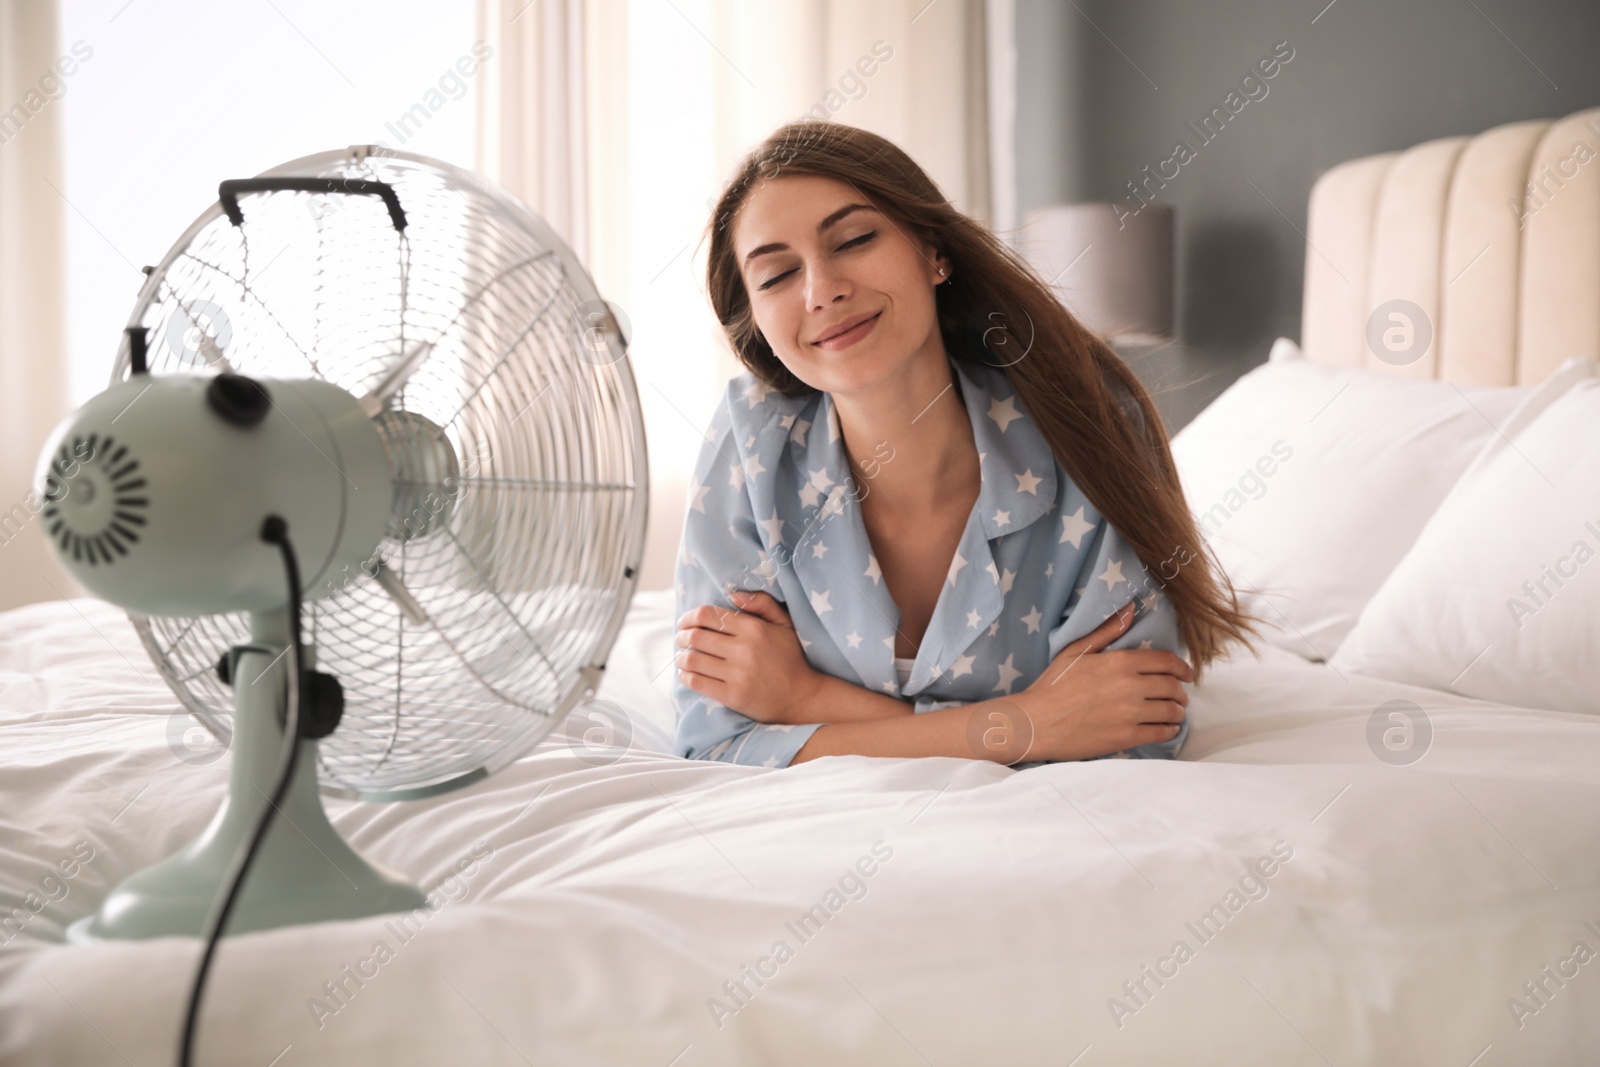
x: 1112, y: 268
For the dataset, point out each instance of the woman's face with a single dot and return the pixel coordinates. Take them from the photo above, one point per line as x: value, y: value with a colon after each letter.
x: 817, y: 257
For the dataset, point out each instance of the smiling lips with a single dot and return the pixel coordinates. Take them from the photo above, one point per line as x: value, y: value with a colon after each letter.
x: 848, y: 332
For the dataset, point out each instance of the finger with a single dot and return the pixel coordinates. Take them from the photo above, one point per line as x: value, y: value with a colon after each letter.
x: 1152, y: 734
x: 713, y: 617
x: 1109, y: 630
x: 1163, y: 688
x: 711, y: 642
x: 762, y: 605
x: 1161, y: 709
x: 688, y: 659
x: 705, y: 686
x: 1179, y: 695
x: 1160, y: 661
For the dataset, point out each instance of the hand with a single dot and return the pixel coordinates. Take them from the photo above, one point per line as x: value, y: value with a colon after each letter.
x: 749, y: 659
x: 1090, y: 702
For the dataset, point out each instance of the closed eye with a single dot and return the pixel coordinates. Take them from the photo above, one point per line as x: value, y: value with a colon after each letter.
x: 854, y: 242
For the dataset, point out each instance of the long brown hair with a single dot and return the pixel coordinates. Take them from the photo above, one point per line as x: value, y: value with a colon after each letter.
x: 1079, y: 392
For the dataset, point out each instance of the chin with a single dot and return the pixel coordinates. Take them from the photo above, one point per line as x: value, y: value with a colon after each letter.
x: 848, y: 371
x: 889, y: 361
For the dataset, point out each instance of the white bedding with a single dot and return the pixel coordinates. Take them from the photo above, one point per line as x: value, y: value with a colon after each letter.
x: 601, y: 907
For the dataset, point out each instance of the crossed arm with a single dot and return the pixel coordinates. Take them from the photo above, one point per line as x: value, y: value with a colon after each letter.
x: 751, y: 661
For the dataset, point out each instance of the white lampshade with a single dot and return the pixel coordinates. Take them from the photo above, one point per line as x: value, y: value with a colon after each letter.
x: 1111, y: 268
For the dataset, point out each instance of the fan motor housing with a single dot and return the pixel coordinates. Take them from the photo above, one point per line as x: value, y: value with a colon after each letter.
x: 154, y: 499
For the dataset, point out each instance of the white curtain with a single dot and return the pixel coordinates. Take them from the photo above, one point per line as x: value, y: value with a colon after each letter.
x: 33, y: 352
x: 556, y: 129
x: 532, y: 114
x: 929, y: 96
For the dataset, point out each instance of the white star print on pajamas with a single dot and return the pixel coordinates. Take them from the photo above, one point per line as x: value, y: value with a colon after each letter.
x: 774, y: 507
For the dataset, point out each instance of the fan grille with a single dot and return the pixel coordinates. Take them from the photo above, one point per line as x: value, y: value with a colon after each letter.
x: 520, y: 541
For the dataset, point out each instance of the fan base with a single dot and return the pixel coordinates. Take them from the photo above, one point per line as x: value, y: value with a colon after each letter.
x: 304, y: 871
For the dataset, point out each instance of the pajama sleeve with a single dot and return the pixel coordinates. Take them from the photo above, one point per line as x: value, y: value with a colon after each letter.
x: 1111, y: 575
x: 721, y: 551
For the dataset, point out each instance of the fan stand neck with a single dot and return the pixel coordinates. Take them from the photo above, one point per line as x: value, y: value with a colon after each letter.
x: 304, y: 872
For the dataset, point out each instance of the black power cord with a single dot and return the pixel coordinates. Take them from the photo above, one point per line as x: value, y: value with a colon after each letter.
x: 274, y: 530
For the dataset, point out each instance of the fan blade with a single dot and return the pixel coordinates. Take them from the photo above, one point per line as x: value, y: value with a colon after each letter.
x: 378, y: 399
x: 408, y: 605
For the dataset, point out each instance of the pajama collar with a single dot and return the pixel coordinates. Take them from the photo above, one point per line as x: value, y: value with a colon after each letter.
x: 811, y: 509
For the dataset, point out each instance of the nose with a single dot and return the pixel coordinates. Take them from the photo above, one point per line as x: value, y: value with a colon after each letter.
x: 825, y: 286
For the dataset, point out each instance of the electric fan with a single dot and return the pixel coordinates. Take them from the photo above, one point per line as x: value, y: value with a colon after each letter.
x: 385, y: 378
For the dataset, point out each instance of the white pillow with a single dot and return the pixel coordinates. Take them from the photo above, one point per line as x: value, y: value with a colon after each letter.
x: 1310, y: 482
x: 1499, y: 598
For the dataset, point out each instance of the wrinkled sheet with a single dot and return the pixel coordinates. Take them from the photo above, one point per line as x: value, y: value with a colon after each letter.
x: 1331, y: 907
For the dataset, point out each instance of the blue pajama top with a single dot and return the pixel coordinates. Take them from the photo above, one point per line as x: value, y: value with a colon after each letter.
x: 773, y: 508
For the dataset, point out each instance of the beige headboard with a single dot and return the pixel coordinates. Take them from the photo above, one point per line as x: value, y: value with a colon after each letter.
x: 1496, y: 238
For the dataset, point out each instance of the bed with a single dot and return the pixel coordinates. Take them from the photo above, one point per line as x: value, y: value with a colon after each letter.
x: 1383, y: 865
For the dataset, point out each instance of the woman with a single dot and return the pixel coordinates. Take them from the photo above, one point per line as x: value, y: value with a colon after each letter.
x: 932, y: 495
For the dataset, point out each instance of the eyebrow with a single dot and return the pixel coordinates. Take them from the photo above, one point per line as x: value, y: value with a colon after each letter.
x: 822, y: 227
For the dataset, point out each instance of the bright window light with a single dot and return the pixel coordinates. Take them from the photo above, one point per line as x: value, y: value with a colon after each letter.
x: 176, y: 96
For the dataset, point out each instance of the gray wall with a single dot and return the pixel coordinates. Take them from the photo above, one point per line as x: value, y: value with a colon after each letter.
x: 1107, y: 86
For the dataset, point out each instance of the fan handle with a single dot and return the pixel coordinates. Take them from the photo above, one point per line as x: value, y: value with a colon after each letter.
x: 229, y: 192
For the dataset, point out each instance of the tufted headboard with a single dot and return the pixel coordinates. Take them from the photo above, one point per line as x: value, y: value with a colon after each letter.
x: 1495, y: 238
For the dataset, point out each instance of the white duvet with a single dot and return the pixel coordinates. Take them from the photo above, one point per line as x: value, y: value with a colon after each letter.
x: 1281, y: 895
